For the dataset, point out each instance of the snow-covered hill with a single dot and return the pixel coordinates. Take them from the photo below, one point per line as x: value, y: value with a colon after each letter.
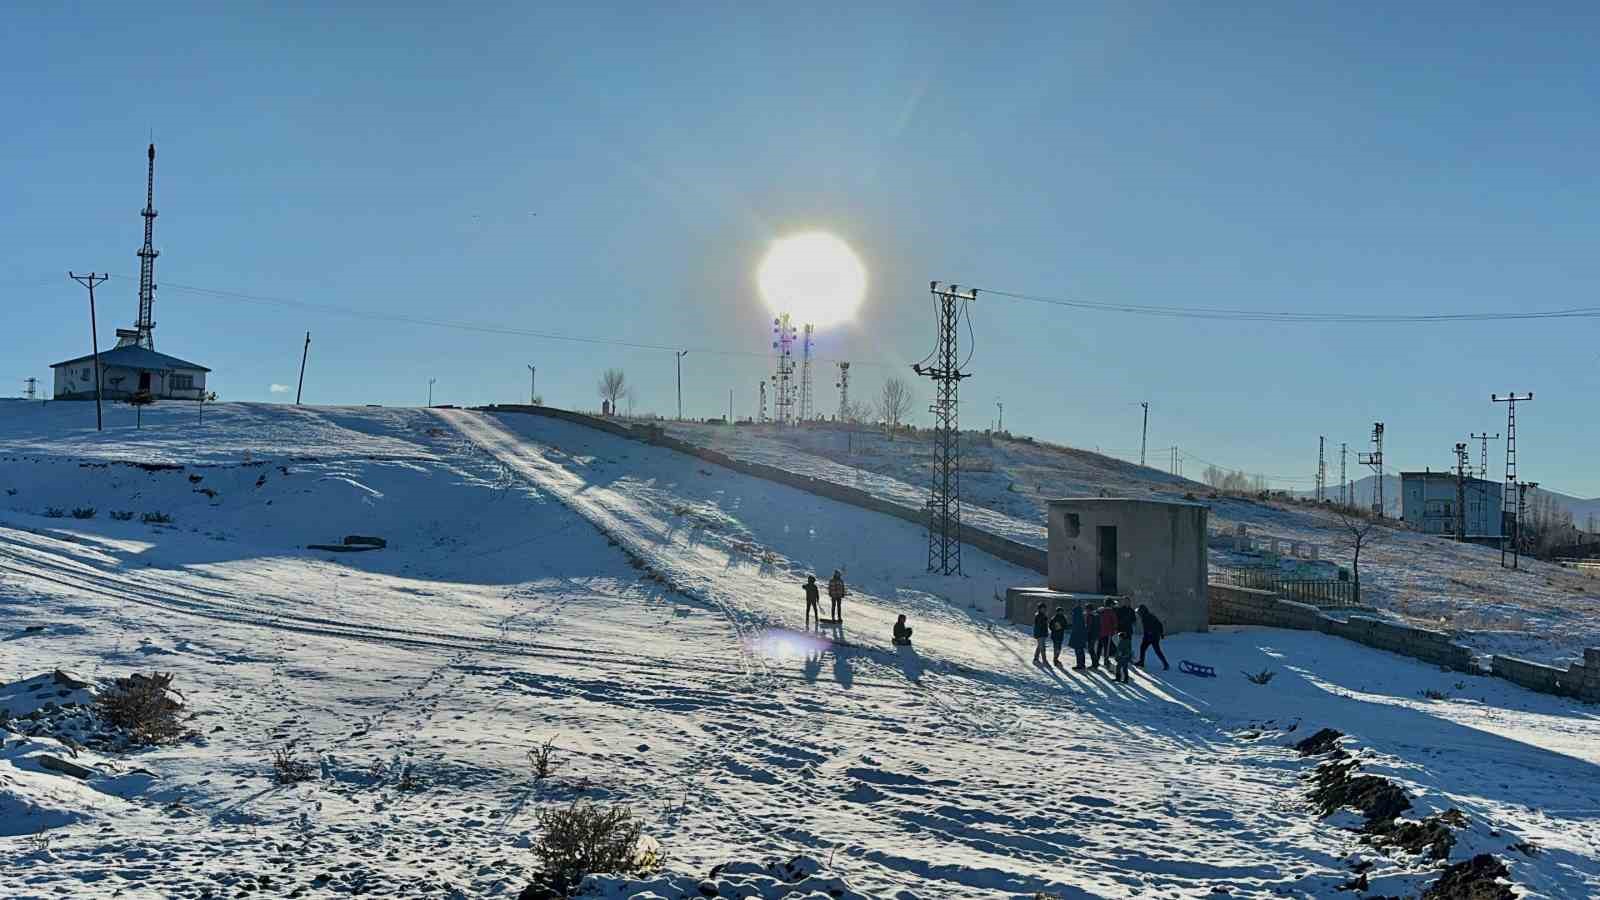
x: 1540, y: 611
x: 641, y: 608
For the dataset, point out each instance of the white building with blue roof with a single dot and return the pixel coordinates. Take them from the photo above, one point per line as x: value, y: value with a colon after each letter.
x: 131, y: 372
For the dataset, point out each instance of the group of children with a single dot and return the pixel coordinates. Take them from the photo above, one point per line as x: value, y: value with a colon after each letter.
x: 836, y: 593
x: 1100, y: 632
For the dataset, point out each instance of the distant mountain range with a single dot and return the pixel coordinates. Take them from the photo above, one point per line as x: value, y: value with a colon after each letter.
x: 1581, y: 508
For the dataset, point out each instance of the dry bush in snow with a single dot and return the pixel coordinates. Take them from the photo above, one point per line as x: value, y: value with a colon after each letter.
x: 583, y: 838
x: 143, y: 706
x: 542, y: 760
x: 286, y: 769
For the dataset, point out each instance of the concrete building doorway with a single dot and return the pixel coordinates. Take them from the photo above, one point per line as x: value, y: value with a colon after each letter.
x: 1107, y: 574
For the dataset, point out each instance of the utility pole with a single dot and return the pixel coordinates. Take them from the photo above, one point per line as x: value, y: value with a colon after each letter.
x: 844, y: 392
x: 533, y: 384
x: 730, y: 406
x: 305, y: 352
x: 1144, y: 432
x: 30, y: 388
x: 89, y: 281
x: 1002, y: 424
x: 1483, y: 471
x: 1510, y: 496
x: 1374, y: 460
x: 761, y: 404
x: 1322, y: 469
x: 944, y: 495
x: 681, y: 354
x: 1461, y: 491
x: 1523, y: 489
x: 1344, y: 482
x: 430, y: 392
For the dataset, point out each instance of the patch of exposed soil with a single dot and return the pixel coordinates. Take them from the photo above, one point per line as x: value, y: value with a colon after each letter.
x: 1478, y: 878
x: 1322, y: 742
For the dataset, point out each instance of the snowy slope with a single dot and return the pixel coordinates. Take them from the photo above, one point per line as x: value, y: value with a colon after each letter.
x: 1540, y: 612
x: 545, y: 580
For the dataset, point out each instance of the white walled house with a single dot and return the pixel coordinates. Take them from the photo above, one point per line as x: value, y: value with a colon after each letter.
x: 130, y: 371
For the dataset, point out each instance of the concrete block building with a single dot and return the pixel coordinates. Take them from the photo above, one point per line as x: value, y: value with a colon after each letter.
x: 130, y: 371
x: 1431, y: 503
x: 1153, y: 551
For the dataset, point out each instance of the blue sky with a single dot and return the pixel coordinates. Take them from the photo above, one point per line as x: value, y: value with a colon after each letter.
x: 1353, y: 158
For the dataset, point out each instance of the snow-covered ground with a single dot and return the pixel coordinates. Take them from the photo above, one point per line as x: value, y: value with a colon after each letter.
x: 1540, y: 611
x: 544, y: 580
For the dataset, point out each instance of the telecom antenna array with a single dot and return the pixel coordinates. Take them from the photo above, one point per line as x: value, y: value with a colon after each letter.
x: 944, y: 496
x: 1374, y: 460
x: 806, y: 343
x: 783, y: 377
x: 844, y: 391
x: 1510, y: 497
x: 30, y: 388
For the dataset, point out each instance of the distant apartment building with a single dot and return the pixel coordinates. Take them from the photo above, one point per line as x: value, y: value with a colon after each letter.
x: 1431, y: 502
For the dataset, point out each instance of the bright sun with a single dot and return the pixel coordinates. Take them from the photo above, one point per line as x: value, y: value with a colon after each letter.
x: 814, y: 277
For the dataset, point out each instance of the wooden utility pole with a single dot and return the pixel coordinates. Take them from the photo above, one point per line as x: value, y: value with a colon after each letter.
x: 303, y: 354
x: 89, y: 281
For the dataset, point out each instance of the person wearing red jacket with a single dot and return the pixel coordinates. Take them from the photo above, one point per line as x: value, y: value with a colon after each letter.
x: 1108, y: 631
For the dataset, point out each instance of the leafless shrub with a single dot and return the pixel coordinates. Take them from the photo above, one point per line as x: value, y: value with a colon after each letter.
x: 54, y: 512
x: 287, y: 769
x: 1261, y: 677
x: 1432, y: 694
x: 122, y: 515
x: 83, y: 512
x: 156, y: 518
x: 142, y: 706
x: 542, y: 760
x: 583, y: 838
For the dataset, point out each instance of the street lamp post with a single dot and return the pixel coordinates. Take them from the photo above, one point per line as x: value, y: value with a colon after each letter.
x: 533, y: 384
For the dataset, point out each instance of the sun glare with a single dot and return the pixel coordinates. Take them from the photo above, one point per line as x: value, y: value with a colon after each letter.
x: 814, y: 277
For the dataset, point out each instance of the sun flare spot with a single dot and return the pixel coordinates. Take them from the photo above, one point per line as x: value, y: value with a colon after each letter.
x: 814, y: 277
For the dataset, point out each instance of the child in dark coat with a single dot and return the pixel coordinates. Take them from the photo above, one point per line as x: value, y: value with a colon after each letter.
x: 1078, y: 637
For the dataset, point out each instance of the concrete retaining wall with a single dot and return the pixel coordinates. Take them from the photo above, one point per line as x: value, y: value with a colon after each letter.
x: 1246, y: 606
x: 1581, y: 680
x: 1014, y: 552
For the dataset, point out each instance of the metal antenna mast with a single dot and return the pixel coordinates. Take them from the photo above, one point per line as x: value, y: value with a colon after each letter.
x: 806, y: 343
x: 761, y: 408
x: 1374, y: 460
x: 1344, y: 482
x: 844, y: 391
x: 1144, y: 430
x: 944, y: 496
x: 783, y: 378
x: 29, y: 388
x: 142, y: 333
x: 1322, y: 469
x: 1510, y: 497
x: 1462, y: 470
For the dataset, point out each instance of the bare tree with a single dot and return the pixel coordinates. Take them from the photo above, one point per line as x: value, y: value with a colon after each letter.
x: 1359, y: 531
x: 894, y: 404
x: 613, y: 386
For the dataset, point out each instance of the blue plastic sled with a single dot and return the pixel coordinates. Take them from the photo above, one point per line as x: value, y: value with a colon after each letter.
x: 1196, y: 669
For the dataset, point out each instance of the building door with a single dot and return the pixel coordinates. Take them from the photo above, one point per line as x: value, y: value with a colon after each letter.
x: 144, y: 382
x: 1108, y: 558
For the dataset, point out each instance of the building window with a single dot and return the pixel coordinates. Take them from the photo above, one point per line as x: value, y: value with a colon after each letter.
x: 183, y: 382
x: 86, y: 374
x: 1074, y: 527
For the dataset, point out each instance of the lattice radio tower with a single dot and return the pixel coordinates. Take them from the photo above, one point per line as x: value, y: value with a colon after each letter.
x: 761, y: 410
x: 1523, y: 487
x: 30, y: 388
x: 1483, y: 469
x: 783, y: 377
x: 1374, y: 460
x: 142, y: 334
x: 944, y: 496
x: 1510, y: 497
x: 806, y: 343
x: 1463, y: 472
x: 844, y: 392
x: 1322, y: 469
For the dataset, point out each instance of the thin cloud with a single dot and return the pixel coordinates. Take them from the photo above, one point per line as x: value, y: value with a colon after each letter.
x: 280, y: 389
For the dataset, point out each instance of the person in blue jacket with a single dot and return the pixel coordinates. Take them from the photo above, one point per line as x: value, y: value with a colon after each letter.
x: 1078, y: 634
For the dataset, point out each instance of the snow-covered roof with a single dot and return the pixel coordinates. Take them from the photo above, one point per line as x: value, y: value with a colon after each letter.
x: 131, y: 357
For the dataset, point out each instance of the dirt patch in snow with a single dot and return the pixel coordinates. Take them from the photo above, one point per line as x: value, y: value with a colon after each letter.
x: 1479, y: 878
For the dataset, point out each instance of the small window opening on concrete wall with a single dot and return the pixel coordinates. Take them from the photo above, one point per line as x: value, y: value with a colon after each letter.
x: 1107, y: 573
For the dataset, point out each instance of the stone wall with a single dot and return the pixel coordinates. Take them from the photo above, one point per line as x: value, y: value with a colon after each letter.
x: 1014, y: 552
x: 1246, y: 606
x: 1581, y: 680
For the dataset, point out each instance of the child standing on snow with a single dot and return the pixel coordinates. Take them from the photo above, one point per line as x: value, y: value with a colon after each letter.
x: 836, y: 595
x: 813, y: 600
x: 1124, y: 654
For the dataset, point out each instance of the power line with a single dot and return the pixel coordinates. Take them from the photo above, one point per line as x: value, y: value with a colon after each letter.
x: 1251, y: 315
